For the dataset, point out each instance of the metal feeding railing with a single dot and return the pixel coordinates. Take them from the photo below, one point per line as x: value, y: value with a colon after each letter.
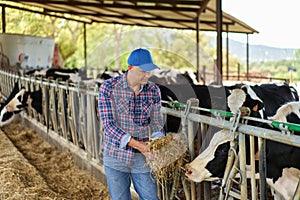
x: 236, y: 163
x: 70, y: 118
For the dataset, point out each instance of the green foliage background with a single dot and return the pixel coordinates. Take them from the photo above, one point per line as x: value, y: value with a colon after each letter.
x: 108, y: 45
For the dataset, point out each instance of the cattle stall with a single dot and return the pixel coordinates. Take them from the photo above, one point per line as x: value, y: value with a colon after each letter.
x: 70, y: 121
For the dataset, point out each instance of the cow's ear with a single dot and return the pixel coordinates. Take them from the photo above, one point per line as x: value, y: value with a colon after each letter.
x: 258, y: 106
x: 255, y: 108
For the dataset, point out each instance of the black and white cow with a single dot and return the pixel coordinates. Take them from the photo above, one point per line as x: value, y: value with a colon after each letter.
x: 263, y: 100
x: 18, y: 100
x: 173, y: 76
x: 269, y: 97
x: 75, y: 75
x: 210, y: 97
x: 107, y: 74
x: 289, y: 112
x: 283, y: 171
x: 14, y: 104
x: 64, y: 74
x: 37, y: 72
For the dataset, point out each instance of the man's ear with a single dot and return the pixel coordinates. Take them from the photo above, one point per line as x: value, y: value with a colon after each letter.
x: 130, y: 67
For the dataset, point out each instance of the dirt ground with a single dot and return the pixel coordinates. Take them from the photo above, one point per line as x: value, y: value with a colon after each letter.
x: 30, y: 168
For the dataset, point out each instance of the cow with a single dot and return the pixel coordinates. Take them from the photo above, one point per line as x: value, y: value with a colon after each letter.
x: 281, y: 169
x: 215, y: 97
x: 18, y: 100
x: 37, y: 72
x: 14, y: 104
x: 173, y: 76
x: 270, y: 96
x: 75, y: 75
x: 285, y: 113
x: 211, y: 163
x: 35, y: 100
x: 210, y: 97
x: 6, y: 117
x: 64, y: 74
x: 107, y: 74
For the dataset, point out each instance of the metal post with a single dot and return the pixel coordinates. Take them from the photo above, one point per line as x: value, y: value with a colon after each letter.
x: 3, y: 20
x: 227, y: 53
x: 85, y: 46
x: 238, y: 71
x: 262, y: 168
x: 252, y: 164
x: 198, y: 48
x: 242, y: 159
x: 297, y: 193
x: 219, y: 40
x: 247, y: 57
x: 190, y: 135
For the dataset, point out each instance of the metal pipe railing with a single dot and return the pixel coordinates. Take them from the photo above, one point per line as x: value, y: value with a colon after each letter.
x: 70, y: 110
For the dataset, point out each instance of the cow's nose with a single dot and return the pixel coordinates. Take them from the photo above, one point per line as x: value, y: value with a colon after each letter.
x: 188, y: 169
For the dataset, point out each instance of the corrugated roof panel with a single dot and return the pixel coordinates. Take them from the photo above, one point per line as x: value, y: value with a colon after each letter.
x: 163, y: 13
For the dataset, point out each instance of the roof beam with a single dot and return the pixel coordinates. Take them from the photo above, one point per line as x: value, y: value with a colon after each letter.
x: 172, y: 2
x: 133, y: 2
x: 195, y: 7
x: 203, y: 7
x: 45, y: 13
x: 125, y: 16
x: 180, y: 14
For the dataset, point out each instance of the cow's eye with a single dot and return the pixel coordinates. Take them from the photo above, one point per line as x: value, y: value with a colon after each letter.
x: 224, y: 150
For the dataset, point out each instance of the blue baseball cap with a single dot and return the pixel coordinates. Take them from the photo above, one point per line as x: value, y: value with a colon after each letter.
x: 142, y: 58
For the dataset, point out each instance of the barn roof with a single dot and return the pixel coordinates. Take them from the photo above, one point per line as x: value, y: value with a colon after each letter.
x: 180, y: 14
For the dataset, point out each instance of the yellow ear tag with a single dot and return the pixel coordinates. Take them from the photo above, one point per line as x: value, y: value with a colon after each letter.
x: 255, y: 108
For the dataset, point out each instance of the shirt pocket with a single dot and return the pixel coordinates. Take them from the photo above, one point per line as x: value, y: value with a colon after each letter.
x: 147, y: 108
x: 122, y: 107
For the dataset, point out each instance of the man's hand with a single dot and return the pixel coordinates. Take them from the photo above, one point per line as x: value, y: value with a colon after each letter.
x: 141, y: 147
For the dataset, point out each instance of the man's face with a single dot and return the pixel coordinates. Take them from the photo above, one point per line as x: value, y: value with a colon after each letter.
x: 140, y: 76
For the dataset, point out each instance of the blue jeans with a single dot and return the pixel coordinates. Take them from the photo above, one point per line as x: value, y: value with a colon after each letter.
x: 119, y: 176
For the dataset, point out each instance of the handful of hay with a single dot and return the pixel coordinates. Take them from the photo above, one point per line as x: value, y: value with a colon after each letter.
x: 170, y: 154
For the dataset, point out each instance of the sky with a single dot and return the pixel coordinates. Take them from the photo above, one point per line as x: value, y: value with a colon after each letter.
x: 276, y: 21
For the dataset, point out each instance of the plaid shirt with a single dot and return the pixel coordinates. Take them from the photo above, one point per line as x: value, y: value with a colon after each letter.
x: 123, y: 113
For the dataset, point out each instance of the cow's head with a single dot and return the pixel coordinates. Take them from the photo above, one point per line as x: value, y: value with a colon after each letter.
x: 211, y: 163
x: 253, y: 102
x: 18, y: 102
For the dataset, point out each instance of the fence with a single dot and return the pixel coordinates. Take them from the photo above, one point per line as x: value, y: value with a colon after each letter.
x: 70, y: 120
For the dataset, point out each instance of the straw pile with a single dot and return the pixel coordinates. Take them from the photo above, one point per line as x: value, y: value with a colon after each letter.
x: 170, y: 155
x: 32, y: 169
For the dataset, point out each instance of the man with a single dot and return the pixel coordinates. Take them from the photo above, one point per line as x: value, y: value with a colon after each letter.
x: 129, y: 107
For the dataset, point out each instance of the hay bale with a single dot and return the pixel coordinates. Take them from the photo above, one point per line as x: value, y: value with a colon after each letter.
x: 170, y: 155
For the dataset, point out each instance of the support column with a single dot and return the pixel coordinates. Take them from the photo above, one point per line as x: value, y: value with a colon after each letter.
x: 247, y: 57
x: 227, y: 53
x: 3, y: 20
x: 219, y: 41
x: 84, y: 44
x: 198, y: 48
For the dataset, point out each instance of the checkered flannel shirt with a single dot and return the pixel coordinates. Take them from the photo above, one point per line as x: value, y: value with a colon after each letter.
x: 123, y: 113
